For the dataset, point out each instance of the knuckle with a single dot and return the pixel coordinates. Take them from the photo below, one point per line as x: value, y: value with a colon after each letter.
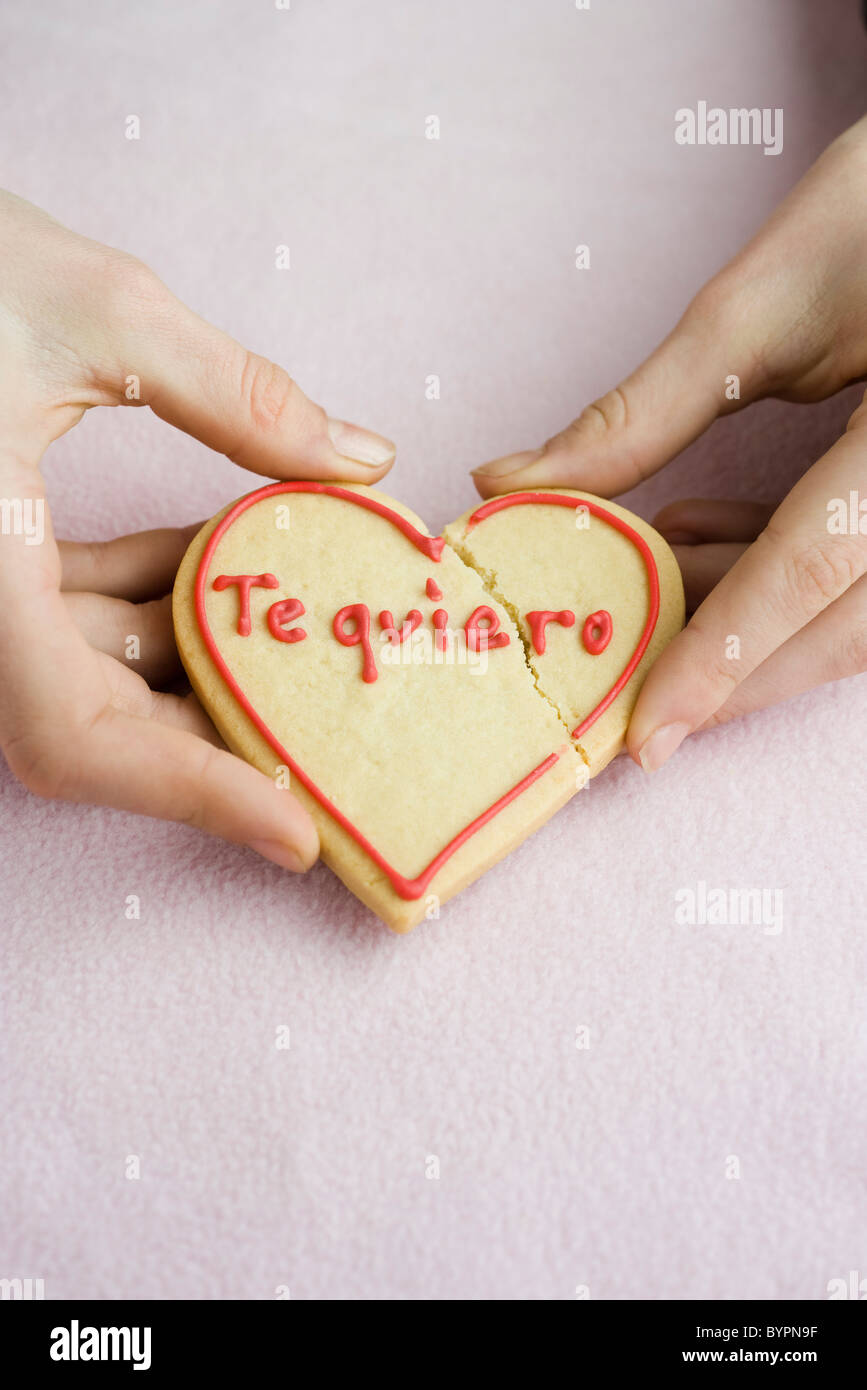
x: 268, y: 391
x: 716, y: 304
x: 606, y: 424
x: 710, y: 672
x: 202, y: 781
x: 717, y: 676
x: 727, y: 302
x: 606, y: 415
x: 819, y: 571
x: 724, y: 311
x: 127, y: 279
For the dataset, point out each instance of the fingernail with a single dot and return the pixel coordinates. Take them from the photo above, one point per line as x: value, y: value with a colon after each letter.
x: 281, y: 854
x: 360, y: 446
x: 511, y: 463
x: 657, y: 749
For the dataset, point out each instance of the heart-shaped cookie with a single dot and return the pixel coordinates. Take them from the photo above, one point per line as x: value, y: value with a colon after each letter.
x: 431, y: 700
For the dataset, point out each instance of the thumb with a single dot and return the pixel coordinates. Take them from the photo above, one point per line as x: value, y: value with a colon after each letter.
x: 204, y: 382
x: 634, y: 430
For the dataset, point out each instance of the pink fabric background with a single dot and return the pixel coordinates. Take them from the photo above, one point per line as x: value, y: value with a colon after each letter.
x: 560, y: 1167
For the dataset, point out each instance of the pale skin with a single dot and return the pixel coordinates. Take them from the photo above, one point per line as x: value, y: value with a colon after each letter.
x: 788, y: 316
x: 77, y: 721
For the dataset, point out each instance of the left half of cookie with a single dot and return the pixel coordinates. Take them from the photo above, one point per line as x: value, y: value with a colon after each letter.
x: 359, y: 661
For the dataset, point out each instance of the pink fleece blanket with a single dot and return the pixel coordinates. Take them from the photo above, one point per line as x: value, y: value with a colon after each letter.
x: 558, y: 1089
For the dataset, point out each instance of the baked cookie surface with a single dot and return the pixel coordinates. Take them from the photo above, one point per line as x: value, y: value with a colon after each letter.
x: 595, y: 592
x: 389, y: 680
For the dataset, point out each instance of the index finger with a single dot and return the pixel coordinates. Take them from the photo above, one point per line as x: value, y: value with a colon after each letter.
x: 243, y: 405
x: 792, y: 572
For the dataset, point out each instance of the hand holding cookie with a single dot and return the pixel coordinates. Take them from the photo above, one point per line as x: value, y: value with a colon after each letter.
x: 84, y: 325
x: 786, y: 318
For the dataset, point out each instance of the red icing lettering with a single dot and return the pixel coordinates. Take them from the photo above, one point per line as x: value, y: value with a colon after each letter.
x: 558, y: 499
x: 410, y: 623
x: 408, y: 888
x: 284, y: 612
x: 539, y: 619
x: 245, y: 583
x: 414, y: 888
x: 597, y: 632
x: 433, y: 590
x: 490, y: 632
x: 360, y: 636
x: 441, y: 637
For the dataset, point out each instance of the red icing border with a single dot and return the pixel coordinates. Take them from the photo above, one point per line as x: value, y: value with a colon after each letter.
x: 432, y: 546
x: 516, y: 499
